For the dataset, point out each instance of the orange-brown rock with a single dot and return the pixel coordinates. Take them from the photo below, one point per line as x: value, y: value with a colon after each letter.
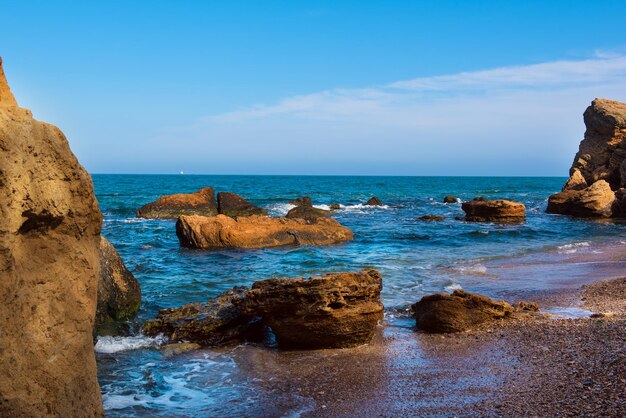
x: 172, y: 206
x: 49, y: 266
x: 601, y: 158
x: 597, y: 200
x: 480, y: 210
x: 257, y: 232
x: 119, y: 294
x: 331, y: 311
x: 460, y: 311
x: 231, y: 204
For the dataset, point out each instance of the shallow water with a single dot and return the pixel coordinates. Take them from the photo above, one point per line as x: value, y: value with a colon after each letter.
x: 414, y: 257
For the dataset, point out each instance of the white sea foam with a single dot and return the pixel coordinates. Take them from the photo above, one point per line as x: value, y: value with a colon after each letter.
x: 473, y: 269
x: 572, y: 248
x: 453, y: 287
x: 279, y: 209
x: 110, y: 345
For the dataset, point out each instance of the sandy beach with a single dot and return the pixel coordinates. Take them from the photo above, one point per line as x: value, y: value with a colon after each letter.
x: 536, y: 366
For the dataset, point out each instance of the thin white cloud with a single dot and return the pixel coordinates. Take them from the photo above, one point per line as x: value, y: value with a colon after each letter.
x: 510, y: 120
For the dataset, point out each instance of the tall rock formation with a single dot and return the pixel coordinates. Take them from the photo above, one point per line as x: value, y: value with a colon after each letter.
x: 49, y: 265
x: 598, y: 173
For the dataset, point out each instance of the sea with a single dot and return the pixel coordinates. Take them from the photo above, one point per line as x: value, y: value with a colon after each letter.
x: 415, y: 258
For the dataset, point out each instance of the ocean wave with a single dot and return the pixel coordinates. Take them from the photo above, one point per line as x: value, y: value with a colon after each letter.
x: 572, y: 248
x: 472, y: 269
x: 110, y: 345
x: 279, y: 209
x: 454, y: 286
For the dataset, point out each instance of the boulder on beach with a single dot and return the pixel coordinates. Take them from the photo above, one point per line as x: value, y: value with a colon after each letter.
x: 450, y: 199
x: 431, y: 218
x: 460, y: 311
x: 374, y: 201
x: 233, y: 205
x: 308, y: 213
x: 594, y: 201
x: 331, y: 311
x: 601, y: 158
x: 172, y: 206
x: 258, y: 232
x: 302, y: 201
x: 480, y: 210
x: 49, y: 267
x: 119, y: 294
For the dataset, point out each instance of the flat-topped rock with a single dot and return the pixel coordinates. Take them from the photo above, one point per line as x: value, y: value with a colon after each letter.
x: 233, y: 205
x: 595, y: 201
x: 460, y: 311
x: 172, y: 206
x: 480, y: 210
x: 119, y: 294
x: 258, y: 232
x: 330, y: 311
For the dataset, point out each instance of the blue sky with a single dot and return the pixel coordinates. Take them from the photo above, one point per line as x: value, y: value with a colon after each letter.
x: 297, y: 87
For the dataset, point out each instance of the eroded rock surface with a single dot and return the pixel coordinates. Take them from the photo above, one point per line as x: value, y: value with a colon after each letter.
x: 49, y: 267
x: 601, y: 158
x: 335, y: 310
x: 597, y: 200
x: 258, y: 232
x: 233, y: 205
x: 480, y: 210
x: 172, y: 206
x: 119, y: 294
x: 460, y: 311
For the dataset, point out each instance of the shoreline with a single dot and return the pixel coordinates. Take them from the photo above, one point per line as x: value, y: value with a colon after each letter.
x: 535, y: 365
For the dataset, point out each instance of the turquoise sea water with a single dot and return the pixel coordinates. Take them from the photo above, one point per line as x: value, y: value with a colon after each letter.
x: 414, y: 257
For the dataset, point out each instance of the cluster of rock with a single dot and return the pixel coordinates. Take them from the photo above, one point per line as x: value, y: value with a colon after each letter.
x: 201, y: 203
x: 332, y: 311
x: 597, y: 183
x: 49, y: 268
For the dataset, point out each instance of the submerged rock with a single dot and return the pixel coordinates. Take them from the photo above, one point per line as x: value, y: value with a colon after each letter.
x: 431, y: 218
x: 119, y: 294
x: 374, y: 201
x: 302, y: 201
x: 460, y: 311
x: 308, y: 213
x: 49, y: 266
x: 172, y: 206
x: 230, y: 204
x: 335, y: 310
x: 493, y: 211
x: 601, y: 158
x: 596, y: 200
x: 258, y: 232
x: 450, y: 199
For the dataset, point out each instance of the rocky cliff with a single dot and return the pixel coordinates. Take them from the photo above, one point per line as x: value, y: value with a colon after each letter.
x: 49, y: 264
x: 598, y: 173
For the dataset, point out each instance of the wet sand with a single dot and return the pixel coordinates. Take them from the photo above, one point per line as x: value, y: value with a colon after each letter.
x: 534, y: 366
